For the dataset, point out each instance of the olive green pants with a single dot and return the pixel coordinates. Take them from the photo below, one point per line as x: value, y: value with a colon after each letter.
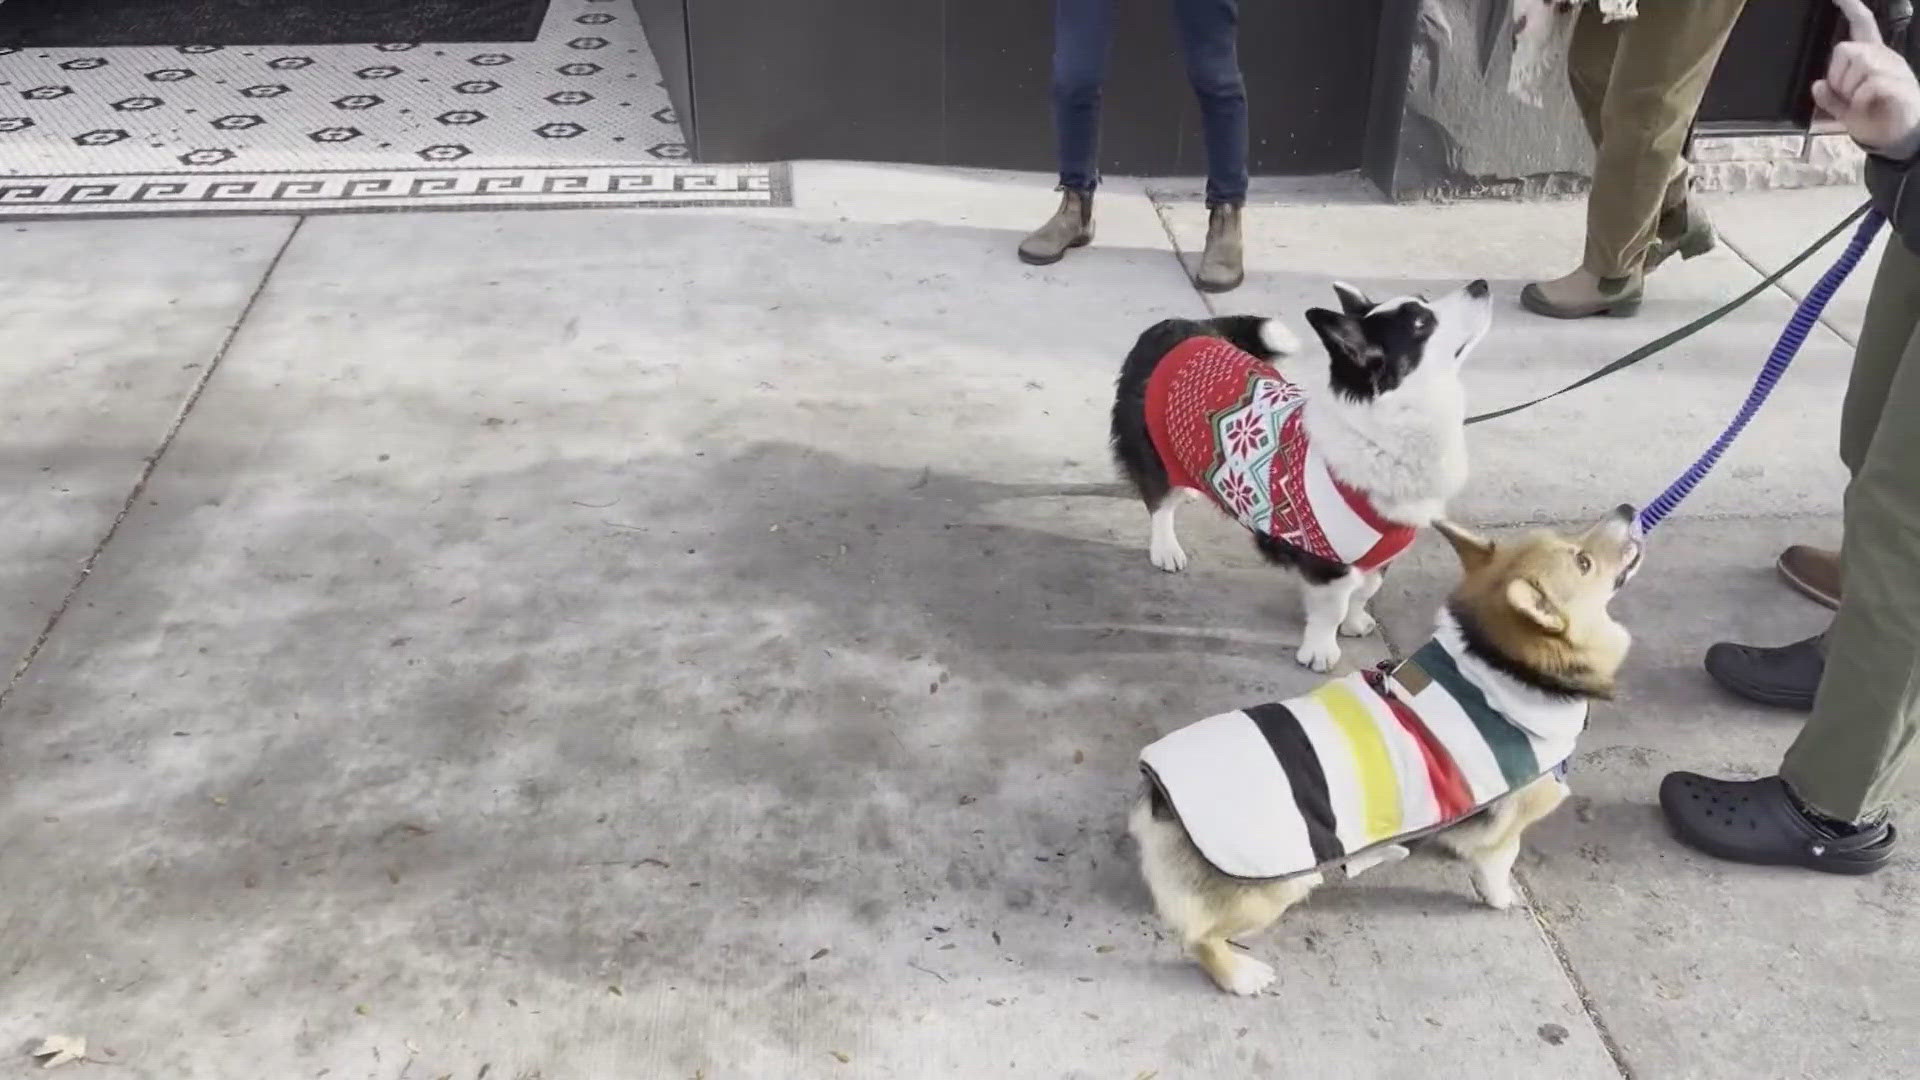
x: 1847, y: 758
x: 1639, y: 83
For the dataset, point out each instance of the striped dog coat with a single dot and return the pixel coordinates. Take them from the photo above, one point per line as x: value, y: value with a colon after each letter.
x: 1365, y: 761
x: 1227, y: 423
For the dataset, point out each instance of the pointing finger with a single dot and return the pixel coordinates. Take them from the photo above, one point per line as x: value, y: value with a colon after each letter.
x: 1860, y: 20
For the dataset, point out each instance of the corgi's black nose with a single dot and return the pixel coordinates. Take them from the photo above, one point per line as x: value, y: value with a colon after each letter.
x: 1477, y: 289
x: 1625, y: 512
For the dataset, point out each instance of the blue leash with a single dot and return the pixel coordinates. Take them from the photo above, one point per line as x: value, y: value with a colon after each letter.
x: 1784, y: 351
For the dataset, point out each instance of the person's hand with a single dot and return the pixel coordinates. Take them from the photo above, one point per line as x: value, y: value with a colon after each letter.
x: 1870, y: 88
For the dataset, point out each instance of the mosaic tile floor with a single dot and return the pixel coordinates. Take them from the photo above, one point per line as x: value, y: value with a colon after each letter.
x: 577, y: 117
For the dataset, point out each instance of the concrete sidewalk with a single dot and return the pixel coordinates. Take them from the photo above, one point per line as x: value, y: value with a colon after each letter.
x: 713, y: 644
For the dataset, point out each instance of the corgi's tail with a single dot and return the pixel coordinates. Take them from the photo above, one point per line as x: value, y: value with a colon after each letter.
x: 1265, y: 338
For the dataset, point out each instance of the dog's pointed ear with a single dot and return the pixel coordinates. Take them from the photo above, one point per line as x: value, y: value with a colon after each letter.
x: 1352, y: 300
x: 1533, y: 604
x: 1474, y: 551
x: 1344, y: 337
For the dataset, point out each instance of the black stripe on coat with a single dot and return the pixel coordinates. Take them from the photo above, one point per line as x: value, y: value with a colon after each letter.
x: 1302, y: 766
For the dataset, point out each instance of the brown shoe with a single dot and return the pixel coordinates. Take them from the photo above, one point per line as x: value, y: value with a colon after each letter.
x: 1813, y: 572
x: 1684, y: 231
x: 1222, y: 264
x: 1070, y: 227
x: 1581, y: 294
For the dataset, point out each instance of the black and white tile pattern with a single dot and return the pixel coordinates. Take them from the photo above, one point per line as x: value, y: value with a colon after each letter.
x: 578, y: 116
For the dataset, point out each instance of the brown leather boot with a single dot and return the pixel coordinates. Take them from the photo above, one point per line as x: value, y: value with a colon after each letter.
x: 1813, y: 572
x: 1582, y: 293
x: 1222, y: 266
x: 1070, y: 227
x: 1684, y: 230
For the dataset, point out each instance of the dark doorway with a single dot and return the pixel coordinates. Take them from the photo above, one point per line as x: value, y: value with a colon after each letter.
x: 1768, y: 66
x: 106, y: 23
x: 965, y: 82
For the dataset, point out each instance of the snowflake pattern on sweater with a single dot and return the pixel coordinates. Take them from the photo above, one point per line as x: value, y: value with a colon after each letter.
x: 1228, y: 424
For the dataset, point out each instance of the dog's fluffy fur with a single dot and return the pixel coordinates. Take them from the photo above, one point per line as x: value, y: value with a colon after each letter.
x: 1387, y: 412
x: 1528, y: 620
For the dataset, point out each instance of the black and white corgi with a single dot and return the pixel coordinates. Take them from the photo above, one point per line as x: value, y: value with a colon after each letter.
x: 1333, y: 473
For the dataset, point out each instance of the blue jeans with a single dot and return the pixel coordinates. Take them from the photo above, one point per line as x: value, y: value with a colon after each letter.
x: 1082, y: 37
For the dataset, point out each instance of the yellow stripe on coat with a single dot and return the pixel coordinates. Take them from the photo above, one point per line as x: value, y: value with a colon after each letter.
x: 1379, y: 782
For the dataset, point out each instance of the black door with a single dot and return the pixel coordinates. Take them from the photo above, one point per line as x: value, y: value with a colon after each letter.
x: 1769, y: 64
x: 965, y: 82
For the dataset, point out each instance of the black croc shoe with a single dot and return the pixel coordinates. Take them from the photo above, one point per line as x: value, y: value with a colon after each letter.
x: 1758, y: 821
x: 1785, y: 678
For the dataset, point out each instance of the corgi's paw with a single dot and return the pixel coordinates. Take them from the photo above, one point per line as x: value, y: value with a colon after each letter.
x: 1495, y: 889
x: 1168, y: 556
x: 1243, y: 975
x: 1358, y: 623
x: 1319, y: 656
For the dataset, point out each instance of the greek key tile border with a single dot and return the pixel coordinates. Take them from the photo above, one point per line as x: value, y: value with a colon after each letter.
x: 362, y: 190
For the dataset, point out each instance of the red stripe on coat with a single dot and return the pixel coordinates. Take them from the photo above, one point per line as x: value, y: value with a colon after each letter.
x: 1450, y: 789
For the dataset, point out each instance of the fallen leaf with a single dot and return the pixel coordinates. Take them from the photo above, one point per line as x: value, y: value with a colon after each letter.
x: 58, y: 1050
x: 1148, y: 1074
x: 1554, y: 1034
x: 1103, y: 948
x: 819, y: 954
x: 219, y: 800
x: 361, y: 1010
x: 966, y: 800
x: 841, y: 1056
x: 616, y: 991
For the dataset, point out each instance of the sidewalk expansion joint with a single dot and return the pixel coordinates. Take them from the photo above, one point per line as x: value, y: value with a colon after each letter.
x: 1579, y: 985
x: 1754, y: 265
x: 1164, y: 211
x: 148, y: 466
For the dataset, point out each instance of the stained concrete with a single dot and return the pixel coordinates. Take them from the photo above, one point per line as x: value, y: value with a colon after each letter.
x: 594, y: 644
x: 107, y: 332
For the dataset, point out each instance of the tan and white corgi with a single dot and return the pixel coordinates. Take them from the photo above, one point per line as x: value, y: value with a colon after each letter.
x: 1464, y: 741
